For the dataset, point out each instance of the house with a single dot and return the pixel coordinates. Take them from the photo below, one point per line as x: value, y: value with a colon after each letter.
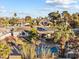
x: 44, y: 29
x: 44, y: 22
x: 20, y: 22
x: 1, y: 22
x: 19, y: 29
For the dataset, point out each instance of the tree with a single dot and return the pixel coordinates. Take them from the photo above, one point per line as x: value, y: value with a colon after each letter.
x: 28, y: 18
x: 54, y: 16
x: 4, y: 50
x: 32, y: 34
x: 27, y: 50
x: 62, y: 29
x: 66, y: 16
x: 12, y: 21
x: 15, y: 14
x: 35, y: 22
x: 6, y: 22
x: 75, y: 20
x: 62, y: 34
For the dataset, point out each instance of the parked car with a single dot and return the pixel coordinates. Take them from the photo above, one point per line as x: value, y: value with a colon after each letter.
x: 23, y: 34
x: 76, y: 31
x: 41, y: 29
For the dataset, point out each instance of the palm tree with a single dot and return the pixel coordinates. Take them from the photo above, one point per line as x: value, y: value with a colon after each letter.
x: 15, y: 14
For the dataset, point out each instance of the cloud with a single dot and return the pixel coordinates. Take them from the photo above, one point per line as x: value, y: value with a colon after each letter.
x: 69, y: 7
x: 63, y: 4
x: 2, y: 9
x: 61, y: 1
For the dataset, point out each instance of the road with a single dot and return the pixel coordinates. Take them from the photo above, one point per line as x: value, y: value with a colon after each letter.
x: 3, y: 36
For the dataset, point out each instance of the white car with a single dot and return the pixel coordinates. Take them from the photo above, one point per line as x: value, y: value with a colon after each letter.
x: 23, y: 34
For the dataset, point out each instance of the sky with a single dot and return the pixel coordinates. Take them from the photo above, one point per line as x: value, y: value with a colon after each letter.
x: 36, y: 8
